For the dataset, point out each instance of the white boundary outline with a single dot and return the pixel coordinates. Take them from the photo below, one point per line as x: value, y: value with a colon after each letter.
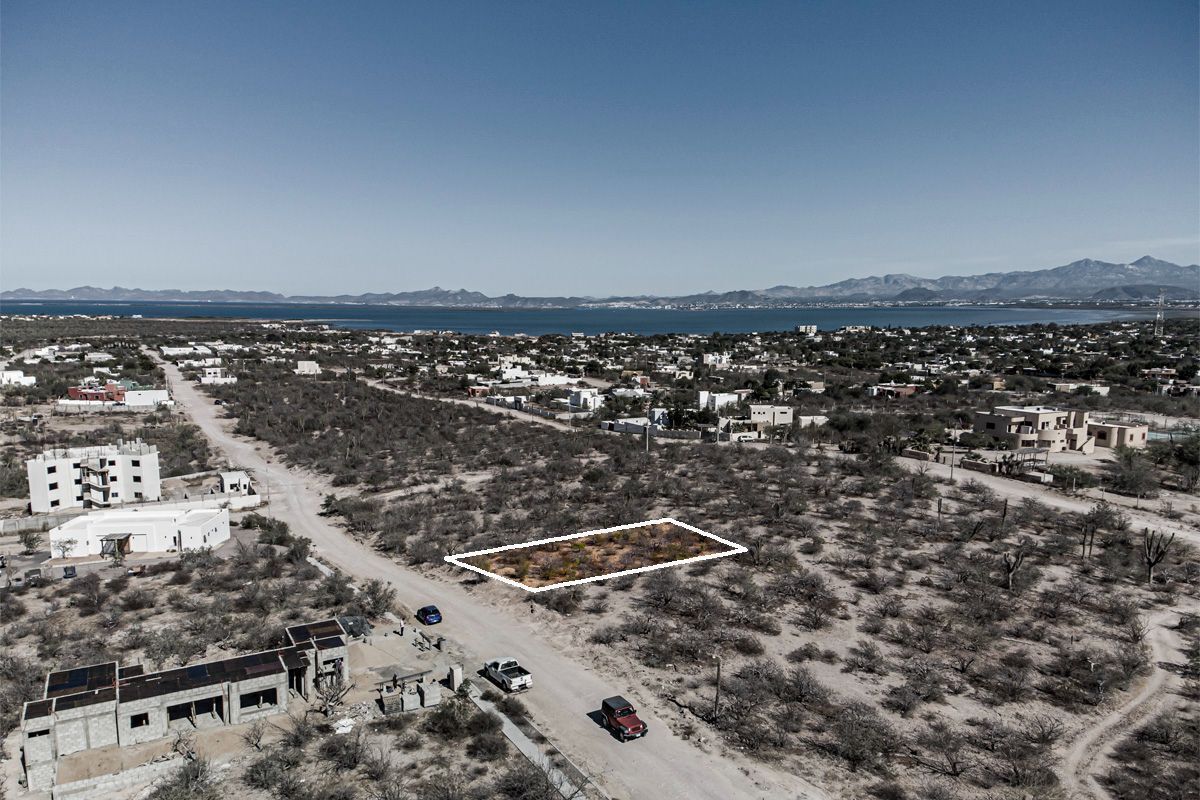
x: 734, y: 549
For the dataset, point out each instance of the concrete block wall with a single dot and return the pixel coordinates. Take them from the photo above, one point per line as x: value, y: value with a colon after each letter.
x: 195, y: 696
x: 85, y: 727
x: 106, y: 785
x: 278, y: 682
x: 151, y: 706
x: 102, y: 728
x: 41, y: 776
x: 38, y: 748
x: 70, y: 736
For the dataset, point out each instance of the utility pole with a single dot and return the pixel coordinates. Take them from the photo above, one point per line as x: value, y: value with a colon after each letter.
x: 717, y: 700
x: 1158, y: 317
x: 957, y: 430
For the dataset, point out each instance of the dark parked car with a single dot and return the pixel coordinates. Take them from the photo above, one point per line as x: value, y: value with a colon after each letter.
x: 429, y: 615
x: 621, y: 718
x: 69, y: 572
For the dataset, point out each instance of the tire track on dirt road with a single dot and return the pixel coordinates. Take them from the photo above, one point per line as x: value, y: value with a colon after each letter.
x: 1078, y: 765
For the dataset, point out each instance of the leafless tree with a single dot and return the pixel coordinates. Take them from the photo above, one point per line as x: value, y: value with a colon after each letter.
x: 184, y: 744
x: 253, y: 736
x: 331, y: 693
x: 942, y: 750
x: 1154, y: 549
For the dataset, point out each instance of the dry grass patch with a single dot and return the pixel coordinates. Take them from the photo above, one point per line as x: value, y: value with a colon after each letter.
x: 597, y: 555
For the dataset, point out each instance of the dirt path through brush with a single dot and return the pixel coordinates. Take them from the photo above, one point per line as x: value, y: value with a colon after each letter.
x: 1081, y: 761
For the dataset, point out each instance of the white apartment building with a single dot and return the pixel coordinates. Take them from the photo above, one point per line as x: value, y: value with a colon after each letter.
x: 141, y: 530
x: 93, y: 477
x: 307, y: 368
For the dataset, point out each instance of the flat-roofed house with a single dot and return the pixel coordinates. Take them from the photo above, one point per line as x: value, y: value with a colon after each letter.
x: 107, y: 704
x: 217, y: 376
x: 1116, y: 434
x: 769, y: 416
x: 891, y: 390
x: 142, y: 530
x: 234, y: 482
x: 586, y: 399
x: 1018, y: 427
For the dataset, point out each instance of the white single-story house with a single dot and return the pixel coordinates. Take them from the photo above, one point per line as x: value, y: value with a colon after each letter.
x: 142, y: 530
x: 235, y: 482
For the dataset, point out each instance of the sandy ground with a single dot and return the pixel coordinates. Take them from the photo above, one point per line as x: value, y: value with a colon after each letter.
x: 1141, y: 515
x: 662, y: 765
x: 1084, y: 760
x: 477, y: 403
x: 1085, y: 755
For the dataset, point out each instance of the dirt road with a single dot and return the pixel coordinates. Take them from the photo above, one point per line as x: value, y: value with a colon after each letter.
x: 463, y: 401
x: 1018, y: 490
x: 1078, y: 771
x: 662, y: 765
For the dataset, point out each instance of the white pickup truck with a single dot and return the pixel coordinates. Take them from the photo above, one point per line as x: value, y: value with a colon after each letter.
x: 508, y: 674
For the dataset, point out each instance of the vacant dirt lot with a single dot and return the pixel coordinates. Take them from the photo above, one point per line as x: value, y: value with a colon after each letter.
x: 598, y: 554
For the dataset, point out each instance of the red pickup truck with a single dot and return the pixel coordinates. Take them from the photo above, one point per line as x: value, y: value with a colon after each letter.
x: 621, y: 718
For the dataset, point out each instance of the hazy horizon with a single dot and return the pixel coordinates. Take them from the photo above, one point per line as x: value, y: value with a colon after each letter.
x: 549, y: 149
x: 448, y: 287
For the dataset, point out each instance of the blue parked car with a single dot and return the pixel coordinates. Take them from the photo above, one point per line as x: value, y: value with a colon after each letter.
x: 429, y: 615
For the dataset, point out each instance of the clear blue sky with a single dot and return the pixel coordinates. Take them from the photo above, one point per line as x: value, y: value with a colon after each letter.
x: 589, y: 148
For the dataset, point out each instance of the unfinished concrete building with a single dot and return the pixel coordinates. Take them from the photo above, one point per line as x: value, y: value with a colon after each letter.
x: 106, y: 704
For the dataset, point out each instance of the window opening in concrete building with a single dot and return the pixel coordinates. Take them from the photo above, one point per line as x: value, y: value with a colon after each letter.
x: 265, y: 698
x: 181, y: 711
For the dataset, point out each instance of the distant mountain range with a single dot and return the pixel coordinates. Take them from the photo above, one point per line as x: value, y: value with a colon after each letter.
x: 1086, y: 280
